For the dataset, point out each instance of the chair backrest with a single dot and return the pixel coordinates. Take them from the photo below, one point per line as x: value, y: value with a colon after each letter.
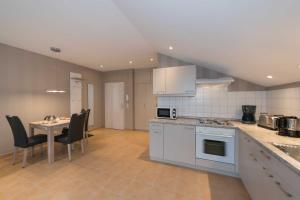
x: 76, y: 127
x: 86, y: 123
x: 18, y: 130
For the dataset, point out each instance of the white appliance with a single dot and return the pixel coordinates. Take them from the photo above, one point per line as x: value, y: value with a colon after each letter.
x: 215, y: 144
x: 166, y: 113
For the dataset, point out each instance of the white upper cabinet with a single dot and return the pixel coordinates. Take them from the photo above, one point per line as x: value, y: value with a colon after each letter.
x: 159, y: 81
x: 175, y: 81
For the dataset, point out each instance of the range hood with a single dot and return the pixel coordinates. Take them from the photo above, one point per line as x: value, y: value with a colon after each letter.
x: 223, y: 81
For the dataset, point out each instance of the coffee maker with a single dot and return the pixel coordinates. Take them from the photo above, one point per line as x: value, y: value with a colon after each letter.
x: 248, y: 114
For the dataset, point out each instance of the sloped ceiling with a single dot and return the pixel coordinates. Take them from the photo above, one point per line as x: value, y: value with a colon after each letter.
x: 89, y: 33
x: 249, y: 39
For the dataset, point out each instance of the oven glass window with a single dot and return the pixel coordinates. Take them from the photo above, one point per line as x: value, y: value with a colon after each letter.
x: 214, y: 147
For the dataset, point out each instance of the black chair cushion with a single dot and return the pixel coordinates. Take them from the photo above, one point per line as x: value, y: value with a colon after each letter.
x: 36, y: 139
x: 62, y: 139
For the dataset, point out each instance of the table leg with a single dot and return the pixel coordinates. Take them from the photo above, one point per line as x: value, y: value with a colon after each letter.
x: 50, y: 137
x: 31, y: 133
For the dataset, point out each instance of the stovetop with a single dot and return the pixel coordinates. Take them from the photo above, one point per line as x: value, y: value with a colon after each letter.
x: 215, y: 122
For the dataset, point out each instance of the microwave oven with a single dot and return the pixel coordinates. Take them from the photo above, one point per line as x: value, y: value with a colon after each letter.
x: 166, y: 113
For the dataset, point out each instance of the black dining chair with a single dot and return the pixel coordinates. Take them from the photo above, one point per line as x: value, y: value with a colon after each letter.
x: 75, y: 133
x: 21, y: 140
x: 66, y: 129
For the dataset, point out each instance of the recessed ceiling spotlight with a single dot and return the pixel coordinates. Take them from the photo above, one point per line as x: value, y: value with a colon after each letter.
x: 130, y: 62
x: 101, y: 66
x: 151, y: 59
x: 269, y: 76
x: 299, y: 66
x: 170, y: 48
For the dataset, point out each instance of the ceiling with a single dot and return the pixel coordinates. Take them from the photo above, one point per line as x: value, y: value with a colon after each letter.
x: 89, y: 33
x: 245, y: 39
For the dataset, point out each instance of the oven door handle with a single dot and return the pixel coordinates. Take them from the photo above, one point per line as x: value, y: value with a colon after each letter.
x: 228, y: 136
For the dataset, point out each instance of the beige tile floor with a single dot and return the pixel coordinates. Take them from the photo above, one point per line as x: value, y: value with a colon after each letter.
x: 114, y: 166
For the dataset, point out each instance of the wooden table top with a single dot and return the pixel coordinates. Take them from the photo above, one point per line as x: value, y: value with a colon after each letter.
x: 50, y: 124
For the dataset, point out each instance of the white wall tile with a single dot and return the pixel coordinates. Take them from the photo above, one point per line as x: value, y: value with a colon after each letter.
x: 218, y: 102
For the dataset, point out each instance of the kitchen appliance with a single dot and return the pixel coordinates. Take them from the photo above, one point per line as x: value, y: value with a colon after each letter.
x: 289, y: 126
x: 248, y: 114
x: 166, y: 113
x: 269, y: 121
x: 215, y: 144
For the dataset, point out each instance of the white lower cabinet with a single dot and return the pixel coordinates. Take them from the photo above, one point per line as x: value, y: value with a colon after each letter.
x: 179, y: 144
x: 156, y: 149
x: 256, y: 169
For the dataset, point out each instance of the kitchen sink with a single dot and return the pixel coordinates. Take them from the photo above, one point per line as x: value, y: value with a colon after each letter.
x: 291, y: 150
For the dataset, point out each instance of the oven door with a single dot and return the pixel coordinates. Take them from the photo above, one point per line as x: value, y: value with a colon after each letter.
x: 215, y: 147
x: 163, y: 113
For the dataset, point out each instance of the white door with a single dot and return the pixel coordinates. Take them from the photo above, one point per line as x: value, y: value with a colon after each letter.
x: 75, y: 93
x: 91, y: 103
x: 114, y: 105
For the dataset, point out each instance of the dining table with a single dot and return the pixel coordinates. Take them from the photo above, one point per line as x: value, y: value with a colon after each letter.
x: 49, y: 128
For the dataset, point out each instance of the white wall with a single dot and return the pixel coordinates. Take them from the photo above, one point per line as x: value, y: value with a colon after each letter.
x: 215, y: 102
x: 284, y: 101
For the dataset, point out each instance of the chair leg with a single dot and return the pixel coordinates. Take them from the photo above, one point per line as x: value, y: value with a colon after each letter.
x: 72, y: 147
x: 69, y: 151
x: 25, y: 157
x: 82, y: 145
x: 86, y: 136
x: 14, y: 155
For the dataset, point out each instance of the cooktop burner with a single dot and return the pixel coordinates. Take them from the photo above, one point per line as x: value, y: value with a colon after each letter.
x: 220, y: 122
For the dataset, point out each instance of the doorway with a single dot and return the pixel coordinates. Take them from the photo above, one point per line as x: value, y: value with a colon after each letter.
x: 75, y: 93
x: 114, y: 105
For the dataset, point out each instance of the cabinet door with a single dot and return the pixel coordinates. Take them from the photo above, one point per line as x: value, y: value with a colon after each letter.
x: 159, y: 81
x: 156, y: 140
x: 179, y: 143
x: 181, y: 80
x: 141, y: 121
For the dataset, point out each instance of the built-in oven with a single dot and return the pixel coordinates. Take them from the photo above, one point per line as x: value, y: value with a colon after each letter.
x: 215, y: 144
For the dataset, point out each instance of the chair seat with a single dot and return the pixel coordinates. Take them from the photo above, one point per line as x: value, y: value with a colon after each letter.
x: 63, y: 138
x: 36, y: 139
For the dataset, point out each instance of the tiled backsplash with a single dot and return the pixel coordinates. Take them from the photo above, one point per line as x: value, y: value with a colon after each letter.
x: 215, y: 102
x: 284, y: 101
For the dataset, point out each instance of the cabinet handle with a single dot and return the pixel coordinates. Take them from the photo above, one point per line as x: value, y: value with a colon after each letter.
x: 157, y: 132
x: 269, y: 175
x: 283, y: 190
x: 266, y: 156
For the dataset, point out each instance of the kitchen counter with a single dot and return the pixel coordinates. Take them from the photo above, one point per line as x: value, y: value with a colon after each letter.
x: 187, y: 121
x: 262, y: 136
x: 265, y: 137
